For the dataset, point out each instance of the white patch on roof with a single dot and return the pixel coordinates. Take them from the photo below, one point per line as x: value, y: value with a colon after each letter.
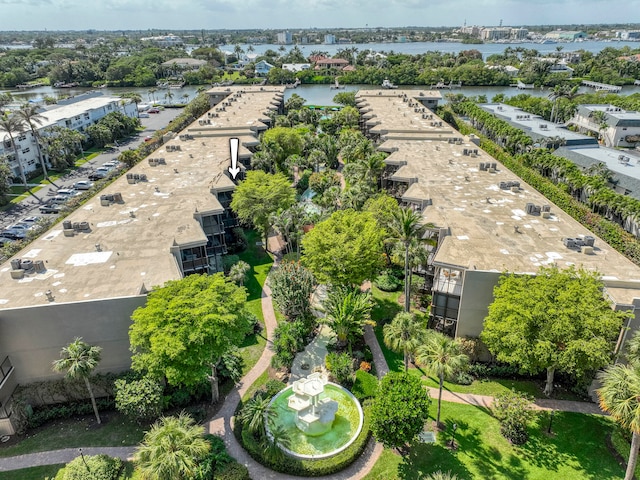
x: 463, y: 237
x: 53, y: 234
x: 3, y: 301
x: 553, y: 255
x: 32, y: 253
x: 106, y: 224
x: 82, y: 259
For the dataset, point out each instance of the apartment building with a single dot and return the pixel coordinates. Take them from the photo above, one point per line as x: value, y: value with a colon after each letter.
x: 166, y: 218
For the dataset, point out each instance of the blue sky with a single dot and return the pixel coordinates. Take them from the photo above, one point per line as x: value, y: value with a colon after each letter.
x: 280, y: 14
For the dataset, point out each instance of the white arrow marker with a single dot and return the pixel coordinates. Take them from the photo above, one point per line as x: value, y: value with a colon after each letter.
x: 233, y: 147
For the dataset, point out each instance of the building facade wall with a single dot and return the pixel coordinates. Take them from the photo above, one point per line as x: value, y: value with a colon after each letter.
x: 477, y: 295
x: 32, y: 337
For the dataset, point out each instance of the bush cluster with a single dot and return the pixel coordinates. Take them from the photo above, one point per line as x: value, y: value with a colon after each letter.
x: 288, y: 339
x: 46, y: 413
x: 93, y: 467
x: 387, y: 282
x: 365, y: 386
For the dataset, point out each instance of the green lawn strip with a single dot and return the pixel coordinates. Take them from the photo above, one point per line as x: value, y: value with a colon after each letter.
x: 576, y: 450
x: 115, y: 430
x: 260, y: 263
x: 623, y: 447
x: 32, y: 473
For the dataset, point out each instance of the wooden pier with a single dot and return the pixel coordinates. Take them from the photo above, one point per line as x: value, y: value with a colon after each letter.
x: 602, y: 86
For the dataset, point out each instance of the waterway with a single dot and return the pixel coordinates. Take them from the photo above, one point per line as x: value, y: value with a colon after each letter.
x: 323, y: 94
x: 415, y: 48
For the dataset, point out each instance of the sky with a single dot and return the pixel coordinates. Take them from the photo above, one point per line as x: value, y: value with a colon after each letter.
x: 292, y: 14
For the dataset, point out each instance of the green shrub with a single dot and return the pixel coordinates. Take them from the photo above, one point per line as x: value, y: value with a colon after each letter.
x: 288, y: 339
x: 341, y: 367
x: 513, y: 411
x: 140, y: 400
x: 485, y: 370
x: 232, y: 471
x: 229, y: 261
x: 365, y: 385
x: 44, y: 414
x: 387, y: 282
x: 93, y: 467
x: 463, y: 378
x: 273, y: 386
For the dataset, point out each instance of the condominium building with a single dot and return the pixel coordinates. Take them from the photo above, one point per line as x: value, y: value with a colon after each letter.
x: 76, y: 113
x: 166, y: 218
x: 616, y: 126
x: 486, y: 220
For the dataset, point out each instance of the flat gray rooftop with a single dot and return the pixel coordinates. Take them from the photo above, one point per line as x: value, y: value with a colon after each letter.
x: 534, y: 125
x: 489, y: 227
x: 135, y: 237
x: 623, y: 164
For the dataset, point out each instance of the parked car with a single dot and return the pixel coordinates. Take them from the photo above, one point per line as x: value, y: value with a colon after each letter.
x: 30, y: 220
x: 112, y: 164
x: 97, y: 176
x: 67, y: 192
x: 51, y: 208
x: 83, y: 185
x: 144, y: 115
x: 13, y: 233
x: 153, y: 110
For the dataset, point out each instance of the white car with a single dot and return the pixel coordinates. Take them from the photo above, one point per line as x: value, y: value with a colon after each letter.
x: 83, y: 185
x: 67, y: 192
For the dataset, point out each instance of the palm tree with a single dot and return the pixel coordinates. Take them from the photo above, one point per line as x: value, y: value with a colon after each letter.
x: 168, y: 95
x: 5, y: 99
x: 404, y: 334
x: 440, y: 475
x: 11, y: 125
x: 152, y: 92
x: 347, y: 311
x: 620, y: 397
x: 238, y: 272
x: 254, y: 413
x: 172, y: 449
x: 29, y: 115
x: 442, y: 356
x: 79, y: 359
x: 185, y: 97
x: 405, y: 228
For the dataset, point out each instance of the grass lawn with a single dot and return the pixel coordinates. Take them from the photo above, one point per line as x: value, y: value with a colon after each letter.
x: 56, y: 472
x: 576, y: 450
x: 33, y: 473
x: 260, y: 263
x: 71, y: 433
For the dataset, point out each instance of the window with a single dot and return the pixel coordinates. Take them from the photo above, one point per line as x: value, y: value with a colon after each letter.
x: 26, y: 150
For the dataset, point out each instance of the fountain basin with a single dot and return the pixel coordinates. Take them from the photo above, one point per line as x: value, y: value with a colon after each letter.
x: 345, y: 428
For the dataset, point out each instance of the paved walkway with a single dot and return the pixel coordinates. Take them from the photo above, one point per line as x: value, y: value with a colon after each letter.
x: 312, y: 356
x: 55, y: 457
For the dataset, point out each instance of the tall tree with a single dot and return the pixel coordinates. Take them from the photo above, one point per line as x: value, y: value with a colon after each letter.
x: 12, y: 125
x: 619, y: 396
x: 345, y: 249
x: 291, y: 287
x: 186, y: 327
x: 261, y: 195
x: 443, y: 357
x: 405, y: 228
x: 78, y: 360
x: 172, y: 449
x: 557, y: 320
x: 404, y: 334
x: 399, y: 410
x: 28, y: 113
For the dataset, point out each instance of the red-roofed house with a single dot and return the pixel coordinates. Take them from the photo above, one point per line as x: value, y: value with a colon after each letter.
x: 327, y: 63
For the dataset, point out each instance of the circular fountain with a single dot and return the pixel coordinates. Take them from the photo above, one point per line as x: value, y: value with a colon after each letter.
x: 321, y: 418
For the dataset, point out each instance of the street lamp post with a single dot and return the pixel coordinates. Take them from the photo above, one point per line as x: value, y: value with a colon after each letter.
x: 453, y: 436
x: 84, y: 461
x: 550, y: 421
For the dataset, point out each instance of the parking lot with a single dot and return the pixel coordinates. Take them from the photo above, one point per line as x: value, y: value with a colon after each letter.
x: 30, y: 207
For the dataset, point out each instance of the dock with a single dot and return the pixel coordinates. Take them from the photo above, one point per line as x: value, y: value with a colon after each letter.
x: 523, y: 86
x: 637, y: 82
x: 602, y: 86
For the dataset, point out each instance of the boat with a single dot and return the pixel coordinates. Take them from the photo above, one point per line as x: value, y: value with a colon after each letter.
x: 177, y: 85
x: 336, y: 86
x: 387, y: 84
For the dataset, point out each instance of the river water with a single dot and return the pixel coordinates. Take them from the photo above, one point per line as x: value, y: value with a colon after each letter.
x: 323, y: 94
